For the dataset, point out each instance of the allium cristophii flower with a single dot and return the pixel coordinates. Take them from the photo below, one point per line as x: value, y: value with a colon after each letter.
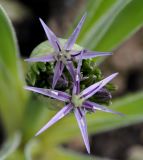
x: 76, y: 101
x: 64, y: 55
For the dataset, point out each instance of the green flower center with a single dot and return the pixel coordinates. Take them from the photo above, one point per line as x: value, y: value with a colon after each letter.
x: 77, y: 101
x: 64, y: 56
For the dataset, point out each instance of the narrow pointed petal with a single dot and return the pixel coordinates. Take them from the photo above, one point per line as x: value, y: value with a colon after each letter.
x: 71, y: 69
x: 47, y: 58
x: 91, y: 90
x: 63, y: 112
x: 75, y: 90
x: 91, y: 54
x: 51, y: 37
x: 69, y: 44
x: 57, y: 72
x: 59, y: 95
x: 80, y: 117
x: 76, y: 87
x: 95, y: 106
x: 80, y: 62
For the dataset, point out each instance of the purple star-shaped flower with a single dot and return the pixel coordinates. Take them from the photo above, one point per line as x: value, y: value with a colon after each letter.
x: 77, y: 102
x: 63, y: 55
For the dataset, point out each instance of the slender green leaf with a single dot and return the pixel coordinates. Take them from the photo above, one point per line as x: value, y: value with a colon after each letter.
x: 97, y: 10
x: 12, y: 95
x: 125, y: 25
x: 29, y: 149
x: 36, y: 113
x: 110, y: 23
x: 61, y: 154
x: 10, y: 146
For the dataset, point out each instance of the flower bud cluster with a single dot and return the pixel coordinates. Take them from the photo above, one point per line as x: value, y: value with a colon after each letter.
x: 68, y: 73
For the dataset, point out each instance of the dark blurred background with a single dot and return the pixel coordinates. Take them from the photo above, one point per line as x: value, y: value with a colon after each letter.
x: 120, y: 144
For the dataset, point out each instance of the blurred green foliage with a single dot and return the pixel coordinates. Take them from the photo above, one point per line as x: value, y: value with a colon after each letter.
x: 12, y: 95
x: 108, y: 24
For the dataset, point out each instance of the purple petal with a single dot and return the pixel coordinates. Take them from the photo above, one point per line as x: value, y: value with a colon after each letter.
x: 95, y: 106
x: 69, y: 44
x: 91, y: 90
x: 47, y: 58
x: 90, y: 54
x: 51, y: 36
x: 80, y: 117
x: 71, y: 69
x: 64, y: 111
x: 57, y: 72
x: 76, y: 88
x: 80, y: 62
x: 62, y: 96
